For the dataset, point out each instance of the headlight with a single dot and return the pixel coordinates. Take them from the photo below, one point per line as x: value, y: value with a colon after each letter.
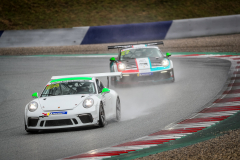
x: 32, y: 106
x: 165, y: 63
x: 121, y: 66
x: 87, y: 103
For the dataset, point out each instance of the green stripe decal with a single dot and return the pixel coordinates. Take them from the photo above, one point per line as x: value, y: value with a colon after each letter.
x: 71, y: 79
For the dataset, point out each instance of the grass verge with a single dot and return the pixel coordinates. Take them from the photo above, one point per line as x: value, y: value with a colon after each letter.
x: 35, y: 14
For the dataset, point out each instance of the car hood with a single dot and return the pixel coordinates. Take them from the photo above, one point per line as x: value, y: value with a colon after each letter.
x: 143, y: 63
x: 64, y: 102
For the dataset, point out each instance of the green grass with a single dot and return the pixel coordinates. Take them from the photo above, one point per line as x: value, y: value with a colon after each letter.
x: 39, y: 14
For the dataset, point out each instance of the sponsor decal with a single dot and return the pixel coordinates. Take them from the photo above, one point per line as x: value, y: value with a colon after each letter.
x: 54, y: 113
x: 57, y: 113
x: 143, y: 63
x: 124, y: 52
x: 46, y: 114
x: 52, y: 86
x: 145, y: 74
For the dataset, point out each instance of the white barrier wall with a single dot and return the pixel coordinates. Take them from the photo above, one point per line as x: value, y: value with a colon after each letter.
x: 204, y: 27
x: 43, y: 37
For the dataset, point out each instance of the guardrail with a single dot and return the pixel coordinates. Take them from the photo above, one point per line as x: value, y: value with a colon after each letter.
x: 121, y: 33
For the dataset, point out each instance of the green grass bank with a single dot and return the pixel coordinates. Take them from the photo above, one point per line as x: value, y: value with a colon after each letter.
x: 35, y: 14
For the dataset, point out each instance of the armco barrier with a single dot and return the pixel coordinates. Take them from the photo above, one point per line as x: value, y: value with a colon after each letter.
x: 122, y: 33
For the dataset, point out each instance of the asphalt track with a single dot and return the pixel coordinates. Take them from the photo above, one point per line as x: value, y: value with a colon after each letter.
x: 145, y: 109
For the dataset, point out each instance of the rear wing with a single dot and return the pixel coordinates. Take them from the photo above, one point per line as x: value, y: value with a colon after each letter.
x: 95, y: 75
x: 130, y: 45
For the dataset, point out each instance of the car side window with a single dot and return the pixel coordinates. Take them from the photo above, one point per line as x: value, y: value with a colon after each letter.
x: 99, y: 85
x: 65, y: 89
x: 97, y: 82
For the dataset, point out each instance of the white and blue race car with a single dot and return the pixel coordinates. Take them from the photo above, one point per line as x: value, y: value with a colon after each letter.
x: 140, y: 63
x: 73, y: 101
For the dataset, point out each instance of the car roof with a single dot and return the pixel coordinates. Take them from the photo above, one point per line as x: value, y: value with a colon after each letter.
x: 71, y: 79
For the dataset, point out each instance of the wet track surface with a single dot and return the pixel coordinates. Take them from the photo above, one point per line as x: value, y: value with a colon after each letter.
x: 145, y: 108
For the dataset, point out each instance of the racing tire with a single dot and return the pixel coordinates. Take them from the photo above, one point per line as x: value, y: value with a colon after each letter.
x: 118, y: 110
x: 102, y: 118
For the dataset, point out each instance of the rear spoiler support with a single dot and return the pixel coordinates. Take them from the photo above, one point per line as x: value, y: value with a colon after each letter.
x: 107, y: 81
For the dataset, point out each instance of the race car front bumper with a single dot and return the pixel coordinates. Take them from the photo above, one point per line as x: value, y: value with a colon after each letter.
x: 145, y: 77
x: 70, y: 120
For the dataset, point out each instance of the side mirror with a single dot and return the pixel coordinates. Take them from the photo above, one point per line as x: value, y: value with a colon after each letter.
x: 112, y: 59
x: 35, y: 95
x: 105, y: 90
x: 168, y: 54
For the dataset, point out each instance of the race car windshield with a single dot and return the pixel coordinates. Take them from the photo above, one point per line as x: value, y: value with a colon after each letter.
x: 140, y: 53
x: 69, y: 88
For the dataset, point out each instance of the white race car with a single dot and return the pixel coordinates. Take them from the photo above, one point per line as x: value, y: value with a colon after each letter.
x: 73, y: 101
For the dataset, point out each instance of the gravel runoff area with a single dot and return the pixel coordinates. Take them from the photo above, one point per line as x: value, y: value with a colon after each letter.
x: 222, y: 147
x: 221, y: 43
